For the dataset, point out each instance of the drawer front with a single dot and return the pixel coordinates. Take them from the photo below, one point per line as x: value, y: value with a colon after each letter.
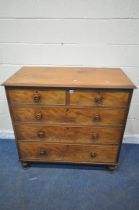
x: 84, y: 116
x: 67, y: 152
x: 92, y: 135
x: 37, y: 96
x: 101, y: 98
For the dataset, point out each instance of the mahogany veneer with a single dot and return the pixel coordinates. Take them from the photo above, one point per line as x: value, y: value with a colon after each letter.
x: 69, y: 115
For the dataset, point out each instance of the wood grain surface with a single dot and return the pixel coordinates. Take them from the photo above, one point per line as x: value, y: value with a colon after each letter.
x: 84, y: 135
x: 45, y: 96
x: 101, y: 98
x: 82, y: 116
x: 70, y: 77
x: 67, y: 152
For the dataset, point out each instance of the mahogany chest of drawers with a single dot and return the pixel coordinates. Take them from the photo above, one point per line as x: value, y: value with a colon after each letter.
x: 69, y: 115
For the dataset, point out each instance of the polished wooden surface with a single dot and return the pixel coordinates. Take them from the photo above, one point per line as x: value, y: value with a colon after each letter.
x: 99, y: 98
x: 84, y: 135
x: 67, y: 152
x: 82, y: 116
x: 29, y: 96
x: 70, y: 77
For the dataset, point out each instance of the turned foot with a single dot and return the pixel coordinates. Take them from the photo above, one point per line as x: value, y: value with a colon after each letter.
x: 25, y: 165
x: 111, y: 167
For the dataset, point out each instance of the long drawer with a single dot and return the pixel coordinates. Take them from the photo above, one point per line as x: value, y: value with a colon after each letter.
x: 91, y: 135
x: 82, y: 116
x: 67, y: 152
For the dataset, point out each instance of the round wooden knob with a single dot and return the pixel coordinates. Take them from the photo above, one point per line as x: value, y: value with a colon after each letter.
x: 38, y: 116
x: 93, y: 154
x: 37, y: 98
x: 43, y: 152
x: 98, y: 99
x: 97, y: 117
x: 95, y: 135
x: 41, y: 134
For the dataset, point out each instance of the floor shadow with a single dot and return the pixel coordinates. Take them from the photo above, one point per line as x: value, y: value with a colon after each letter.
x: 68, y: 166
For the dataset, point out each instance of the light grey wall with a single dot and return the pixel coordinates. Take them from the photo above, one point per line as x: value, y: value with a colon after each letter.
x: 69, y: 33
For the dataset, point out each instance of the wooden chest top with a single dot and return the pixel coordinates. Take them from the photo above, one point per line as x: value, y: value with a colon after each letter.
x: 70, y: 77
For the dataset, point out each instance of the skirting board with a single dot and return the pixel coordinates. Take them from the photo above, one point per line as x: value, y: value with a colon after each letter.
x: 130, y: 139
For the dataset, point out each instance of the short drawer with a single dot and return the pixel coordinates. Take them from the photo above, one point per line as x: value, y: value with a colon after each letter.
x: 99, y: 98
x: 91, y: 135
x: 84, y: 116
x: 37, y: 96
x: 67, y: 152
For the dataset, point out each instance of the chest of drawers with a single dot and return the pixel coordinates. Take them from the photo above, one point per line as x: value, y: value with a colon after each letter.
x: 69, y: 115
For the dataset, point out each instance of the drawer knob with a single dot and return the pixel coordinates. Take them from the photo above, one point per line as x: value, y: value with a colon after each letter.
x: 41, y: 134
x: 38, y: 116
x: 97, y: 117
x: 37, y: 98
x: 98, y: 99
x: 43, y: 152
x: 93, y: 154
x: 95, y: 135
